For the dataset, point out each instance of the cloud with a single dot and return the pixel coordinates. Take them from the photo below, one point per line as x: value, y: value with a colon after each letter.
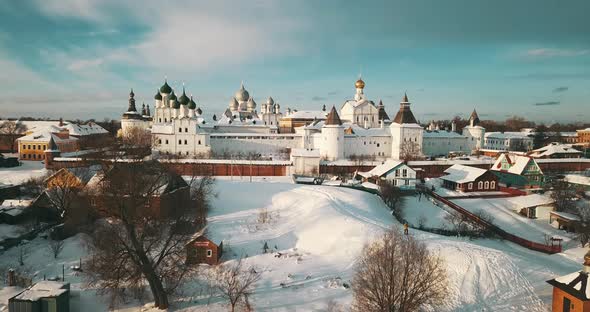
x: 333, y: 93
x: 548, y: 103
x: 560, y: 89
x: 319, y: 98
x: 549, y: 53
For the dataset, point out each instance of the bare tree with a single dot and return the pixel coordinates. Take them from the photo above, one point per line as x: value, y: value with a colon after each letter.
x: 397, y: 273
x: 10, y: 131
x: 236, y: 283
x: 582, y: 227
x: 410, y: 150
x: 562, y: 193
x: 143, y: 233
x: 392, y: 197
x: 56, y: 246
x: 457, y: 220
x: 64, y: 186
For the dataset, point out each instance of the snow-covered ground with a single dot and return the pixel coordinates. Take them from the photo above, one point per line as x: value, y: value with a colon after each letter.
x: 503, y: 216
x: 423, y: 209
x: 20, y: 174
x: 322, y: 230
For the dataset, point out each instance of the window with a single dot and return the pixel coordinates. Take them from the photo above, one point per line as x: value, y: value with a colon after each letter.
x: 179, y: 129
x: 470, y: 186
x: 166, y: 141
x: 179, y: 142
x: 493, y: 185
x: 185, y: 129
x: 405, y: 173
x: 397, y: 172
x: 407, y: 182
x: 199, y: 142
x: 44, y: 147
x: 165, y: 120
x: 185, y: 142
x: 487, y: 185
x: 567, y: 305
x: 209, y: 253
x: 34, y: 147
x: 29, y: 147
x: 480, y: 185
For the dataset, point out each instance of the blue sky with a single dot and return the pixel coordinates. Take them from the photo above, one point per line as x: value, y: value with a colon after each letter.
x: 79, y: 58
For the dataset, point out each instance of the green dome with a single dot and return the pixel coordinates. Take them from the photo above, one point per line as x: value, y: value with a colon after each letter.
x: 172, y: 96
x: 158, y: 96
x: 176, y: 104
x: 192, y: 104
x: 183, y: 99
x: 166, y: 88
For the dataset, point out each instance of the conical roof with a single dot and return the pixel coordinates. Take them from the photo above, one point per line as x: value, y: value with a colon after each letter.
x: 474, y: 118
x: 382, y: 113
x: 333, y: 118
x: 405, y: 115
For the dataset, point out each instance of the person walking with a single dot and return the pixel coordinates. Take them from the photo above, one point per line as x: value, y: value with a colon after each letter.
x: 406, y: 226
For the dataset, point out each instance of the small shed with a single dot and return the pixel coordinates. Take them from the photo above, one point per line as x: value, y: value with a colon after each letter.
x: 202, y: 250
x: 564, y: 220
x: 534, y: 206
x: 44, y: 296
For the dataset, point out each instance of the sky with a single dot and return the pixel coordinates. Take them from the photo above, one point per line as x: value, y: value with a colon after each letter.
x: 80, y: 58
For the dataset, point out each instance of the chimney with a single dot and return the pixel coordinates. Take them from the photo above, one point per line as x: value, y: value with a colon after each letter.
x: 586, y: 268
x: 11, y: 277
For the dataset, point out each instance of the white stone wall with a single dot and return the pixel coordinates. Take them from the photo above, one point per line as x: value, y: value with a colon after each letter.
x: 403, y: 133
x: 270, y: 144
x: 441, y: 146
x: 476, y: 135
x: 377, y: 146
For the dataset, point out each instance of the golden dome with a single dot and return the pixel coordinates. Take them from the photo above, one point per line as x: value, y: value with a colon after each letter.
x: 359, y: 84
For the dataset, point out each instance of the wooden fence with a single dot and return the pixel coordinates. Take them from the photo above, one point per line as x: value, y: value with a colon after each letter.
x: 550, y: 249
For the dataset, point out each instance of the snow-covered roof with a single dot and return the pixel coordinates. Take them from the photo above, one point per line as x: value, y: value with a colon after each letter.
x: 575, y: 283
x: 507, y: 135
x: 577, y: 179
x: 307, y: 114
x: 532, y: 200
x: 366, y: 132
x: 382, y: 169
x: 43, y: 136
x: 555, y: 148
x: 566, y: 215
x: 518, y: 163
x: 43, y: 289
x: 462, y: 174
x: 87, y: 129
x: 17, y: 202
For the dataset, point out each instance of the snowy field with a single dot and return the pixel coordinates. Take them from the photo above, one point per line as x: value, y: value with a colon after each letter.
x: 323, y: 229
x: 423, y: 209
x: 20, y: 174
x: 500, y: 209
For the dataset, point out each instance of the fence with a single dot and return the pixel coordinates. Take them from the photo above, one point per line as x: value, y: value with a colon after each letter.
x: 550, y: 249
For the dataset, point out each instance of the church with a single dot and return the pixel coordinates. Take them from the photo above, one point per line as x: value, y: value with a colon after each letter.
x: 358, y: 130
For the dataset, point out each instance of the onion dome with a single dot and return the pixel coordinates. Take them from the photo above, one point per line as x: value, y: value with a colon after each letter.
x: 131, y: 94
x: 158, y: 96
x: 233, y: 104
x: 176, y: 104
x: 251, y: 104
x: 270, y: 101
x: 359, y: 84
x: 172, y: 96
x: 183, y: 99
x: 199, y: 111
x: 165, y: 88
x: 242, y: 95
x: 192, y: 104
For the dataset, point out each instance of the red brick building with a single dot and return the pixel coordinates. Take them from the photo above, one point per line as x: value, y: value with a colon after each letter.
x: 570, y: 292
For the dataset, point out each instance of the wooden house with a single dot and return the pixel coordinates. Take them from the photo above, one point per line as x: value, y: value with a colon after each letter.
x: 518, y: 171
x: 202, y: 250
x: 397, y: 172
x: 469, y: 179
x: 44, y: 296
x: 571, y: 293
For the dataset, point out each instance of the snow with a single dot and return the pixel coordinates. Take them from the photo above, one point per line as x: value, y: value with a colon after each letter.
x: 320, y: 231
x: 426, y: 210
x: 20, y: 174
x: 382, y: 169
x: 532, y: 200
x: 10, y: 231
x: 462, y: 174
x: 43, y: 289
x: 504, y: 216
x: 577, y: 179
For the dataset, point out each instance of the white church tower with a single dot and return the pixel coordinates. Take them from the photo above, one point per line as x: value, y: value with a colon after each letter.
x: 475, y: 132
x: 332, y: 145
x: 406, y: 133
